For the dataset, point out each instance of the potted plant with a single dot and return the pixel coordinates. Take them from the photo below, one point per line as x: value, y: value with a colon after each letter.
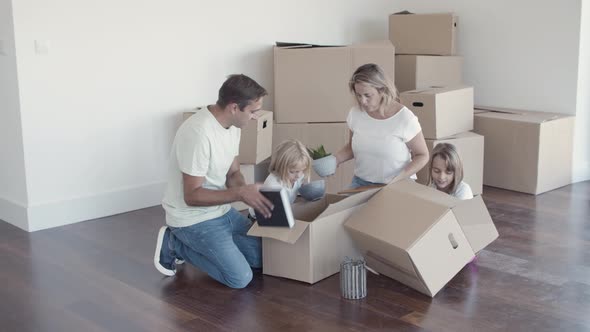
x: 323, y: 163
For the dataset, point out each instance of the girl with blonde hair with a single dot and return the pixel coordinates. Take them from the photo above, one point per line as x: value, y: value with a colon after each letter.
x: 446, y: 172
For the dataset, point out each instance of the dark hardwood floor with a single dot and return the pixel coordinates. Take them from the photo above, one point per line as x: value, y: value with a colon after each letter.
x: 98, y: 276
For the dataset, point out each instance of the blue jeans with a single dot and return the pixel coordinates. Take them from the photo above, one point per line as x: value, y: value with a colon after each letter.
x: 358, y: 182
x: 221, y: 248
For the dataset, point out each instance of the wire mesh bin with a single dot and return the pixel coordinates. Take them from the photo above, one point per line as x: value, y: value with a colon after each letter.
x: 353, y: 279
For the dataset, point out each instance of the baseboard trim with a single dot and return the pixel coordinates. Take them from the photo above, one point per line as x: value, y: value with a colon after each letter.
x: 75, y: 210
x: 14, y: 213
x: 581, y: 172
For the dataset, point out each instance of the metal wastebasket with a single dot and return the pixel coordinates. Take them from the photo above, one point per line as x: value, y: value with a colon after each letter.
x: 353, y: 279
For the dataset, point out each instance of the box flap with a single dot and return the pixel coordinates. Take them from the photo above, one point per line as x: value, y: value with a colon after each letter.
x: 476, y: 222
x: 288, y: 45
x: 284, y: 234
x: 393, y: 271
x: 348, y: 202
x: 519, y: 115
x: 400, y: 213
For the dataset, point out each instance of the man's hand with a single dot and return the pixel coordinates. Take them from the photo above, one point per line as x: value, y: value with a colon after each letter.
x: 250, y: 194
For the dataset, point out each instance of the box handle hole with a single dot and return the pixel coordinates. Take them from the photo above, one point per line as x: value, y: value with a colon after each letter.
x: 264, y: 124
x: 417, y: 104
x: 454, y: 243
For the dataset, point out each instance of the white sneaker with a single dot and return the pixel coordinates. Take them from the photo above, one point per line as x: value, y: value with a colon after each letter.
x: 159, y: 245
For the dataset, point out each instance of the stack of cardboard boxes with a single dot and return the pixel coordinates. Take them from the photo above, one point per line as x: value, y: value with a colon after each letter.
x: 255, y: 149
x: 312, y: 98
x: 429, y: 77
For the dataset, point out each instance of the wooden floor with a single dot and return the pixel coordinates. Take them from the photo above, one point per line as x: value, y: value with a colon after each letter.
x: 98, y: 276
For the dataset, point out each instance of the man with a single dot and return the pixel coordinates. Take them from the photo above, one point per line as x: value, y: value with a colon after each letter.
x: 204, y: 177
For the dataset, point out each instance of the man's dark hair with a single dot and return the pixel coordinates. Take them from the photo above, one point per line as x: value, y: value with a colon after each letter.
x: 239, y: 89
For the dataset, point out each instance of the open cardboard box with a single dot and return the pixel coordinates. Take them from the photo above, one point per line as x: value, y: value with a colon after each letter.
x: 420, y: 236
x: 314, y: 248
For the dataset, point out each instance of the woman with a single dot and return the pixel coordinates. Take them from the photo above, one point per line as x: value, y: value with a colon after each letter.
x: 386, y: 139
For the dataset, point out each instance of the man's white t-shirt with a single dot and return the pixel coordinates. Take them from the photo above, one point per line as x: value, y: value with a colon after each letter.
x: 379, y: 146
x: 202, y: 147
x: 463, y: 191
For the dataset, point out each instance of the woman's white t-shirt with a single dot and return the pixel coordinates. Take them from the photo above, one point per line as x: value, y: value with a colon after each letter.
x: 379, y: 146
x: 463, y: 191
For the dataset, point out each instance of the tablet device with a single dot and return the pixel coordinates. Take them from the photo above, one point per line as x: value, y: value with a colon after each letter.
x: 282, y: 215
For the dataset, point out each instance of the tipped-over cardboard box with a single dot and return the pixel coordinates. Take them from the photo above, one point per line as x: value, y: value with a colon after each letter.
x: 423, y: 71
x: 420, y: 236
x: 311, y: 81
x: 470, y: 147
x: 423, y: 33
x: 333, y: 136
x: 526, y: 151
x: 256, y: 138
x: 442, y: 111
x: 314, y: 248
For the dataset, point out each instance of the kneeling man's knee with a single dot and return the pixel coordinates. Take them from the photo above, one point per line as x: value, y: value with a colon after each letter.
x: 240, y: 280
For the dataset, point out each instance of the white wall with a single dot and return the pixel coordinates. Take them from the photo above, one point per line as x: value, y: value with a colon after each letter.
x: 13, y: 193
x: 524, y: 54
x: 99, y: 110
x: 582, y: 133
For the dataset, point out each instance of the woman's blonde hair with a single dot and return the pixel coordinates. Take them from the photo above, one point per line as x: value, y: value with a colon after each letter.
x: 448, y: 153
x: 287, y: 155
x: 374, y: 76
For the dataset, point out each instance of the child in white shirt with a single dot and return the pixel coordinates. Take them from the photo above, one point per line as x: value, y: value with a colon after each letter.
x: 289, y: 165
x: 446, y: 172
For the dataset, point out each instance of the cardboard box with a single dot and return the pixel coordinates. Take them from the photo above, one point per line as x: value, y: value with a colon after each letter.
x: 432, y: 34
x: 420, y: 236
x: 332, y: 135
x: 441, y: 111
x: 253, y: 173
x: 526, y: 151
x: 314, y: 248
x: 423, y: 71
x: 471, y: 149
x: 311, y: 83
x: 256, y: 138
